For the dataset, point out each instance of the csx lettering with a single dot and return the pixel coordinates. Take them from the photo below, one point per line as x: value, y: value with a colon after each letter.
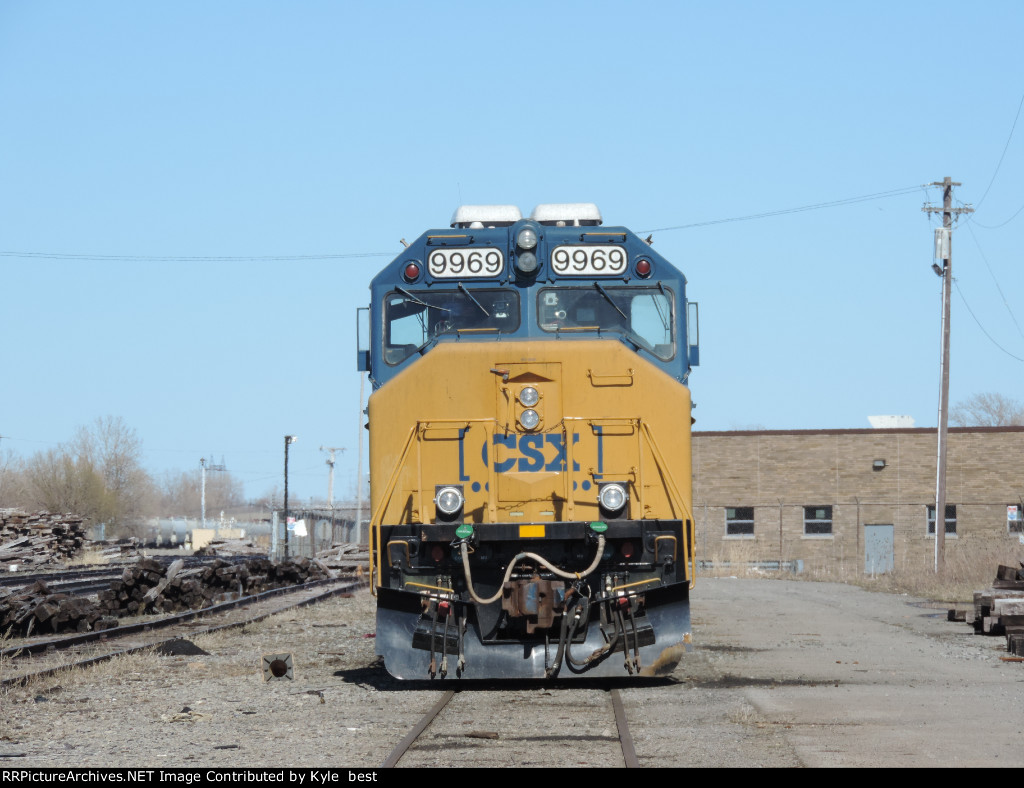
x: 531, y: 453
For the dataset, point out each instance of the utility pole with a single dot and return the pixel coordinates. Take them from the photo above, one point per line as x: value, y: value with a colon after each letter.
x: 330, y: 474
x: 205, y: 468
x: 288, y: 441
x: 943, y: 252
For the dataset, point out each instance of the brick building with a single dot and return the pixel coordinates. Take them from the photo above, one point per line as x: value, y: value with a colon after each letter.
x: 852, y: 498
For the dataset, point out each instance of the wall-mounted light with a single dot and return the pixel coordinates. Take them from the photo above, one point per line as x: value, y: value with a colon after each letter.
x: 877, y: 465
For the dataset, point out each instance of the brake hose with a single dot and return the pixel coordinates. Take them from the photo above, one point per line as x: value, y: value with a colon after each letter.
x: 542, y: 561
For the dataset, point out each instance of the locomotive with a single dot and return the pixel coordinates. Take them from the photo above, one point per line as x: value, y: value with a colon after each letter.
x: 529, y: 433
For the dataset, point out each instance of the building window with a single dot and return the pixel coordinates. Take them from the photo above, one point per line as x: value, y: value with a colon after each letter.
x: 817, y: 521
x: 950, y: 520
x: 1014, y: 522
x: 739, y: 521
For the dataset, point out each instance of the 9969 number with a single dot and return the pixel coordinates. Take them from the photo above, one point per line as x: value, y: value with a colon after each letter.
x: 466, y: 262
x: 604, y: 260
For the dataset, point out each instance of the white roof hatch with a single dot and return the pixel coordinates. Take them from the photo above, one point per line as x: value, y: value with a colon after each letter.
x: 479, y: 216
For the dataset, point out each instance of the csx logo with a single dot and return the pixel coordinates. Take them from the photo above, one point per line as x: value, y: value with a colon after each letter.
x: 530, y: 453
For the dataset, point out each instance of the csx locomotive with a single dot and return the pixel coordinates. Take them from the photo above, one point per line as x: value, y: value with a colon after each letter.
x: 529, y: 429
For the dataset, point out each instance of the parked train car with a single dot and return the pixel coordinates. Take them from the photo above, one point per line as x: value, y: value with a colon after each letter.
x: 529, y: 427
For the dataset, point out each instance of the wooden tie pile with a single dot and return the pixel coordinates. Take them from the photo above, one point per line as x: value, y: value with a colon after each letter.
x: 149, y: 587
x: 37, y: 609
x: 999, y: 610
x: 347, y: 558
x: 229, y: 547
x: 39, y: 538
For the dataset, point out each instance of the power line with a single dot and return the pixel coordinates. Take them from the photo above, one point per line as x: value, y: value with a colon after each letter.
x: 1005, y: 147
x: 1001, y: 224
x: 780, y: 212
x: 996, y: 281
x: 299, y: 257
x: 983, y: 331
x: 190, y: 259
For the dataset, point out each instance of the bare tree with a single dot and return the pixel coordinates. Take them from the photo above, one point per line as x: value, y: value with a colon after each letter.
x: 13, y: 492
x: 60, y: 482
x: 181, y: 493
x: 116, y: 451
x: 96, y: 475
x: 986, y: 410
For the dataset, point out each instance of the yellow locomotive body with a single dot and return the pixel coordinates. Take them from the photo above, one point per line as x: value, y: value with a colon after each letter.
x: 454, y: 415
x: 530, y: 495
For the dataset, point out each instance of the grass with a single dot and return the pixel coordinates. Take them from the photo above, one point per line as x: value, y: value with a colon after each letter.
x: 89, y: 557
x: 970, y: 565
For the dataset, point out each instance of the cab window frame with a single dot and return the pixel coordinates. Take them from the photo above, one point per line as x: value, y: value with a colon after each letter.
x: 575, y: 308
x: 441, y: 312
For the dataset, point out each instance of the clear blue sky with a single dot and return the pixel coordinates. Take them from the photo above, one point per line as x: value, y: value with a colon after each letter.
x: 324, y: 132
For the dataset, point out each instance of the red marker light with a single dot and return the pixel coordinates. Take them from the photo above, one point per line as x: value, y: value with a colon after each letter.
x: 643, y: 268
x: 626, y: 550
x: 412, y: 272
x: 437, y: 553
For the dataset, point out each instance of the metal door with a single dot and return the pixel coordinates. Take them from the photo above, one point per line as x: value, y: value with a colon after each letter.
x: 878, y: 549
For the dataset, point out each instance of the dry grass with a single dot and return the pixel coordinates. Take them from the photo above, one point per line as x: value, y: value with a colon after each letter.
x: 731, y: 558
x: 970, y: 565
x: 89, y: 557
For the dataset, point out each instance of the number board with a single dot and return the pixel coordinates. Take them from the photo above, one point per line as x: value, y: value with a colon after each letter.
x: 465, y: 262
x: 589, y: 260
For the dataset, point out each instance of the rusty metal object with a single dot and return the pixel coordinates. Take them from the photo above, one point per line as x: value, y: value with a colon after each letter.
x: 625, y: 737
x: 404, y: 745
x: 535, y: 600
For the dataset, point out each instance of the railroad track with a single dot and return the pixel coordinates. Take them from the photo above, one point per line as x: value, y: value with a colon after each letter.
x: 625, y: 739
x: 37, y: 657
x: 78, y: 580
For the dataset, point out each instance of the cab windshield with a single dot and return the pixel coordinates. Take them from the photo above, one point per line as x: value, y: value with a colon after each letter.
x: 415, y: 318
x: 642, y: 315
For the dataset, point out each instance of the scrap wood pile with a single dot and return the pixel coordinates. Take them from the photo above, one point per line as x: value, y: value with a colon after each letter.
x: 40, y: 537
x: 347, y: 558
x: 231, y: 547
x: 126, y: 548
x: 999, y: 610
x: 149, y: 587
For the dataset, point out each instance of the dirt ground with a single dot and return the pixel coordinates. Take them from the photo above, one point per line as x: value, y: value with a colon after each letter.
x: 784, y: 673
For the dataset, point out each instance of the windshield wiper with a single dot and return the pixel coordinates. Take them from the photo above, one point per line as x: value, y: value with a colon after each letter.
x: 604, y: 292
x: 415, y: 300
x: 462, y: 287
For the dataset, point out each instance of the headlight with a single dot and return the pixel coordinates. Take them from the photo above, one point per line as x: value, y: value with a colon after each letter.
x: 529, y: 396
x: 529, y: 419
x: 612, y: 497
x: 527, y: 238
x: 526, y: 262
x: 449, y: 500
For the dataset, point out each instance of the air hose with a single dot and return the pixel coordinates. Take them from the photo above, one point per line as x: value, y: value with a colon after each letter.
x: 512, y: 565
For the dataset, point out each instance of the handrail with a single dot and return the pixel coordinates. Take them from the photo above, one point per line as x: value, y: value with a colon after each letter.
x: 389, y: 489
x: 376, y: 551
x: 673, y: 489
